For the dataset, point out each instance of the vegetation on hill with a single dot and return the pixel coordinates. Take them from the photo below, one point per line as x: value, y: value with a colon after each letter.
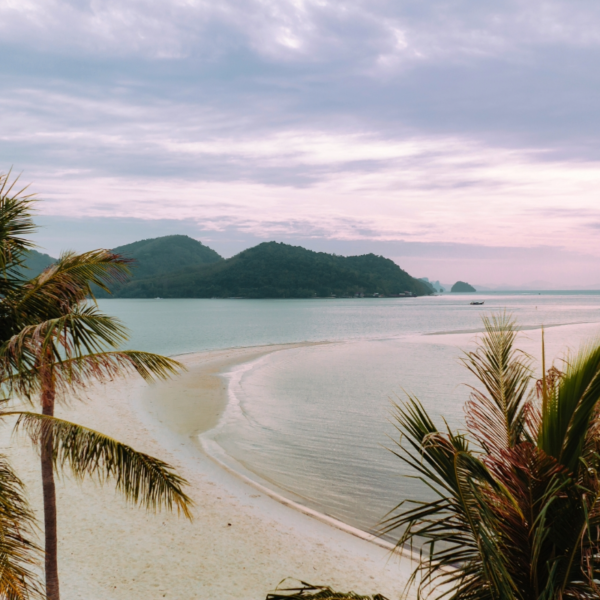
x: 158, y: 256
x: 35, y: 262
x: 166, y: 254
x: 461, y: 286
x: 276, y: 270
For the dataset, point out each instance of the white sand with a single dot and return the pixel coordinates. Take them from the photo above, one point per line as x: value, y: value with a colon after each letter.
x: 241, y: 544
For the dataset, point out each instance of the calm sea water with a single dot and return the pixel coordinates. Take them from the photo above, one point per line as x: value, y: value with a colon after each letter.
x: 315, y: 422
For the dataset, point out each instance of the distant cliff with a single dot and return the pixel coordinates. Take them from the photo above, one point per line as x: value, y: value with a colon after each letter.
x: 461, y: 286
x: 436, y: 285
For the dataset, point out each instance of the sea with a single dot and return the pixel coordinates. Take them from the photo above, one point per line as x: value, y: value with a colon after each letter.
x: 317, y: 423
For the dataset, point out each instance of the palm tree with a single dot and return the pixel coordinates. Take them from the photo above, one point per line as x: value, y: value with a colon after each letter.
x: 18, y: 553
x: 56, y: 341
x: 515, y: 512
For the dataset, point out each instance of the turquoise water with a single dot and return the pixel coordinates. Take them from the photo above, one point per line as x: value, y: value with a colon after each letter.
x: 181, y: 326
x: 314, y: 422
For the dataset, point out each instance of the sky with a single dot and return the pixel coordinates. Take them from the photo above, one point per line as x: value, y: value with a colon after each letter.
x: 459, y: 138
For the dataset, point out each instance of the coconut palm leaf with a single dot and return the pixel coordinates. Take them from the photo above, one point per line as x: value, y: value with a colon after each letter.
x: 74, y: 375
x: 75, y: 343
x: 65, y: 284
x: 74, y: 275
x: 448, y: 526
x: 142, y: 479
x: 81, y: 330
x: 317, y: 592
x: 516, y: 516
x: 497, y: 415
x: 571, y: 405
x: 18, y: 553
x: 15, y: 225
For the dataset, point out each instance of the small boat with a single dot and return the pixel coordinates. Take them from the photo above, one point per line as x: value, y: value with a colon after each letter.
x: 477, y: 303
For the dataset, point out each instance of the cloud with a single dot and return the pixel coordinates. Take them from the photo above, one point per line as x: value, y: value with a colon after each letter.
x: 281, y: 29
x: 445, y: 122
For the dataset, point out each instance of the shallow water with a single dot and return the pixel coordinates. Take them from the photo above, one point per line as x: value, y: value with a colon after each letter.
x: 314, y: 422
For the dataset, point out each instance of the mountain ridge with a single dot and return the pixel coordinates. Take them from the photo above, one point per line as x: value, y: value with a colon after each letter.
x: 178, y: 266
x: 277, y: 270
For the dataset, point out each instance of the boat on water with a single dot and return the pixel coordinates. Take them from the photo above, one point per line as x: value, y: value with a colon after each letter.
x: 477, y: 302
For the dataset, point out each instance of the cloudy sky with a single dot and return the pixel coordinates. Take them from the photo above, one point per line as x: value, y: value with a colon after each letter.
x: 460, y: 138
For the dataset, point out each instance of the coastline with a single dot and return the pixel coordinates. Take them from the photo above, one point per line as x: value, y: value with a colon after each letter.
x: 242, y: 543
x: 175, y: 404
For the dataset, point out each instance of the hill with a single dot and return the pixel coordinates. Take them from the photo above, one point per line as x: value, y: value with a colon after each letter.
x: 276, y: 270
x: 461, y: 286
x: 166, y: 254
x: 36, y: 262
x: 157, y: 257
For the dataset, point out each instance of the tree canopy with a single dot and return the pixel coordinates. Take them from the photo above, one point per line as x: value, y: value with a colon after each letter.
x: 277, y: 270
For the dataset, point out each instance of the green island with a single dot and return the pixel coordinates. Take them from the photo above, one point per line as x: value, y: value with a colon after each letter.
x: 178, y: 266
x: 461, y: 286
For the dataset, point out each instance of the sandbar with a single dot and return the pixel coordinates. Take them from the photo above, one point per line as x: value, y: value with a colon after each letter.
x: 242, y: 542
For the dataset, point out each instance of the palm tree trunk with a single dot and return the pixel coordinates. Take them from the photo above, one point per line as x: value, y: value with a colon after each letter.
x: 49, y: 490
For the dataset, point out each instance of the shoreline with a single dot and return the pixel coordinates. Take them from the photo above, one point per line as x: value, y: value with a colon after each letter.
x: 242, y: 542
x: 206, y: 375
x: 209, y: 371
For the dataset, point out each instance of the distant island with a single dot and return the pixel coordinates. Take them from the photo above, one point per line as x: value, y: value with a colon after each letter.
x: 461, y: 286
x: 178, y: 266
x: 436, y: 285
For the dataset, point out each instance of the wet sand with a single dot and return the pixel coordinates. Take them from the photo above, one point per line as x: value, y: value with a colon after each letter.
x: 242, y: 542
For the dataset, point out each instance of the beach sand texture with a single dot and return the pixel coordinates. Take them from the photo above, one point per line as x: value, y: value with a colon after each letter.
x: 241, y: 544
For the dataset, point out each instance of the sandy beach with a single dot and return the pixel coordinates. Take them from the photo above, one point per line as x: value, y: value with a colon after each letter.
x: 242, y: 542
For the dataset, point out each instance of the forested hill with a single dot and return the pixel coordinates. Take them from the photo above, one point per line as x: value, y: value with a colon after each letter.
x: 36, y: 262
x: 166, y: 254
x: 276, y: 270
x: 152, y: 257
x: 156, y: 257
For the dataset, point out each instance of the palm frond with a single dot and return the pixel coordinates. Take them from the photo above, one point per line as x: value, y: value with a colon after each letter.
x: 497, y: 415
x: 143, y: 480
x: 15, y: 224
x: 83, y: 330
x: 316, y: 592
x: 75, y: 343
x: 449, y: 524
x: 73, y: 275
x: 74, y: 375
x: 19, y: 555
x: 570, y: 408
x: 64, y: 285
x: 517, y: 516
